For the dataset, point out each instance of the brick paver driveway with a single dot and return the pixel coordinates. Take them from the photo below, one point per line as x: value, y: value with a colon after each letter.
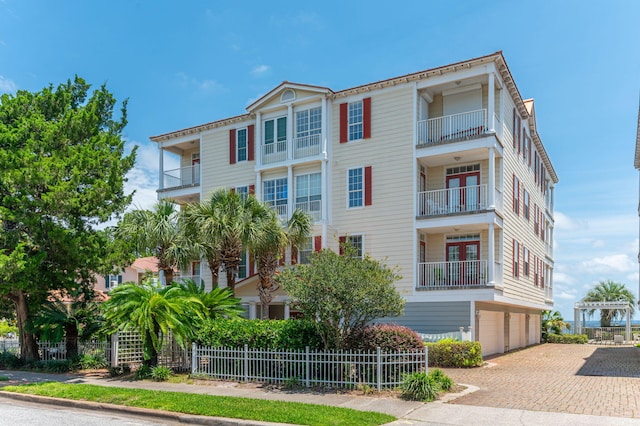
x: 580, y: 379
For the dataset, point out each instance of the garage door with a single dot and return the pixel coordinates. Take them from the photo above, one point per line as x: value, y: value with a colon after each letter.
x: 534, y: 329
x: 491, y: 332
x: 516, y: 331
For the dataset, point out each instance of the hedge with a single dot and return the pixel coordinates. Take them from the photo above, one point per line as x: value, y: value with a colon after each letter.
x: 271, y: 334
x: 453, y: 353
x: 387, y: 337
x: 579, y: 339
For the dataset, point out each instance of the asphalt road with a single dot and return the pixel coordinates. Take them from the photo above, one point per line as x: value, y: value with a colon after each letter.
x: 18, y: 413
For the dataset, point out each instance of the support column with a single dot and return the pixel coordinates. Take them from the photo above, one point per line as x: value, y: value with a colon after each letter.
x: 258, y: 189
x: 290, y: 132
x: 491, y: 261
x: 161, y: 167
x: 492, y: 178
x: 287, y: 310
x: 289, y: 191
x: 323, y: 192
x: 258, y: 139
x: 491, y: 103
x: 577, y: 325
x: 252, y: 310
x: 628, y: 329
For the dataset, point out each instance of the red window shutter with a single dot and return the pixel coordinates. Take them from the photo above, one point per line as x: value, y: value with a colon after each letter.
x: 519, y: 133
x: 368, y: 186
x: 317, y: 243
x: 529, y: 150
x: 232, y: 146
x: 513, y: 126
x: 344, y: 123
x: 251, y: 263
x: 252, y: 189
x: 366, y: 118
x: 250, y: 142
x: 342, y: 241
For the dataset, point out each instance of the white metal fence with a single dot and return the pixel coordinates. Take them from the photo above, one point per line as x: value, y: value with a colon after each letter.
x: 461, y: 335
x: 334, y: 369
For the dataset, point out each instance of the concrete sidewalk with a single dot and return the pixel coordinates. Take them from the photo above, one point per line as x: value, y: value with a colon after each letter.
x: 407, y: 412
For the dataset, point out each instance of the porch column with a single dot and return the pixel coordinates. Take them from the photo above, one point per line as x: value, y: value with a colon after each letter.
x: 491, y: 103
x: 290, y: 132
x: 258, y: 139
x: 628, y: 329
x: 324, y: 199
x: 491, y: 261
x: 252, y: 310
x: 290, y: 195
x: 577, y: 325
x: 161, y: 167
x: 492, y: 178
x: 287, y: 310
x: 258, y: 188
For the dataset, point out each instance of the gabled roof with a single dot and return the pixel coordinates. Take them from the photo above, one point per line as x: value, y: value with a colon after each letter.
x: 284, y: 86
x: 637, y: 159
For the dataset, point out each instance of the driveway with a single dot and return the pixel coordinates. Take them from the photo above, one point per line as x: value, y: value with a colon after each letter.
x: 579, y: 379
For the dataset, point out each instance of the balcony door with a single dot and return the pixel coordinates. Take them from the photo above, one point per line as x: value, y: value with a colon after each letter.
x: 463, y: 193
x: 462, y: 265
x: 275, y: 135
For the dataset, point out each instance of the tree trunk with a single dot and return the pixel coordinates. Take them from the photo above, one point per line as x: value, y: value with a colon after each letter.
x: 267, y: 265
x: 28, y: 343
x: 150, y: 349
x: 168, y: 276
x: 71, y: 337
x: 214, y: 267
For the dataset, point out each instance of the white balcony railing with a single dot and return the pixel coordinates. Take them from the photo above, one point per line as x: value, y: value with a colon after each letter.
x: 452, y: 200
x: 307, y: 146
x: 452, y: 127
x: 281, y: 210
x: 548, y: 293
x: 274, y: 152
x: 184, y: 176
x: 467, y: 273
x: 313, y: 208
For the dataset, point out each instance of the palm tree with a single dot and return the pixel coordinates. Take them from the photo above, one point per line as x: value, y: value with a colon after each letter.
x: 218, y: 303
x: 268, y: 245
x: 157, y: 232
x: 553, y: 323
x: 199, y: 224
x: 610, y: 291
x: 228, y: 222
x: 153, y: 311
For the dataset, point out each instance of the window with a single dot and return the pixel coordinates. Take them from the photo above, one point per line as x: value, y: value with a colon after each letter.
x: 241, y: 145
x: 516, y: 195
x: 243, y: 266
x: 275, y: 135
x: 308, y: 123
x: 525, y: 204
x: 304, y: 250
x: 112, y: 281
x: 308, y: 194
x: 356, y: 241
x: 355, y: 120
x: 525, y: 262
x: 516, y: 259
x: 275, y: 194
x: 356, y: 188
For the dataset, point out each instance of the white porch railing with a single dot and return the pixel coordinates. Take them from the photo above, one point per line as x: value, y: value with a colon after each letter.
x: 183, y: 176
x: 452, y: 200
x: 452, y: 127
x: 281, y: 210
x: 548, y: 292
x: 467, y: 273
x: 335, y: 369
x: 274, y: 152
x: 307, y: 146
x: 313, y: 208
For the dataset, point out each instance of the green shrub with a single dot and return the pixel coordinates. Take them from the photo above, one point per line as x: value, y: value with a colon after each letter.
x: 453, y: 353
x: 271, y: 334
x: 161, y: 374
x: 119, y: 370
x: 419, y: 387
x: 144, y: 372
x: 568, y: 338
x: 6, y: 327
x: 90, y: 362
x: 57, y: 366
x: 442, y: 379
x: 388, y: 337
x: 10, y: 361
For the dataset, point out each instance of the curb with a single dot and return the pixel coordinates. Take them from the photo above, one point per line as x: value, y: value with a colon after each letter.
x: 137, y: 411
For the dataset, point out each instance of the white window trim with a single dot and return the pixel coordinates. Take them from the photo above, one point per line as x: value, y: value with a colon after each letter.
x: 361, y: 235
x: 363, y: 187
x: 361, y: 101
x: 246, y: 129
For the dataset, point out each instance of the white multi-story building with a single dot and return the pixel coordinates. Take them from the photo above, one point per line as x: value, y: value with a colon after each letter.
x: 441, y: 172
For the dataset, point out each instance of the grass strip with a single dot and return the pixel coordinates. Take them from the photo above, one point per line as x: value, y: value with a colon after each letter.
x: 208, y: 405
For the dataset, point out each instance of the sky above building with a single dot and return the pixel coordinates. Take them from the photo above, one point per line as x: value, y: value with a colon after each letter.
x: 182, y: 64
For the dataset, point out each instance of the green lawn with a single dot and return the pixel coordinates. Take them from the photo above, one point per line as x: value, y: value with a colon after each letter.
x: 208, y: 405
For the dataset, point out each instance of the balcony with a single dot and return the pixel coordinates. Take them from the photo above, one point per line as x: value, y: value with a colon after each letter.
x: 451, y: 275
x: 281, y: 209
x: 313, y: 208
x: 450, y: 128
x: 548, y: 293
x: 184, y: 176
x: 300, y: 148
x: 467, y: 199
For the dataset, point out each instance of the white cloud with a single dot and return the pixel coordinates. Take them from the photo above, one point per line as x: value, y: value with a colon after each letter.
x: 7, y: 85
x: 562, y: 278
x: 260, y: 69
x: 563, y: 295
x: 188, y: 82
x: 614, y: 263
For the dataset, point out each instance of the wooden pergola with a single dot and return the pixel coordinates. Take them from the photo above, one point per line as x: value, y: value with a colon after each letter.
x: 583, y: 306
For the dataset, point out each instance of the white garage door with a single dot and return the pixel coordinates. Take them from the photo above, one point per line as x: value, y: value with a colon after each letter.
x: 491, y: 332
x: 534, y: 329
x: 516, y: 331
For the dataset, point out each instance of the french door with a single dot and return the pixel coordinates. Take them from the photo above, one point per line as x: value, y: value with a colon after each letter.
x: 462, y: 265
x: 463, y: 193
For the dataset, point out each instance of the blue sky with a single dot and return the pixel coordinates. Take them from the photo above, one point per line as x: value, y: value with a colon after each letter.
x: 182, y: 64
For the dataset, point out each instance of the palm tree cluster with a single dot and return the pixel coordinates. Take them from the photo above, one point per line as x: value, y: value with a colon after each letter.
x: 610, y: 291
x: 217, y: 230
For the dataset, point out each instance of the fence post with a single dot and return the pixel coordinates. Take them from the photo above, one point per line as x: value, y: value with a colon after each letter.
x: 307, y: 367
x: 193, y: 357
x: 246, y: 363
x: 426, y: 359
x: 379, y: 362
x: 462, y: 334
x: 114, y: 349
x: 472, y: 338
